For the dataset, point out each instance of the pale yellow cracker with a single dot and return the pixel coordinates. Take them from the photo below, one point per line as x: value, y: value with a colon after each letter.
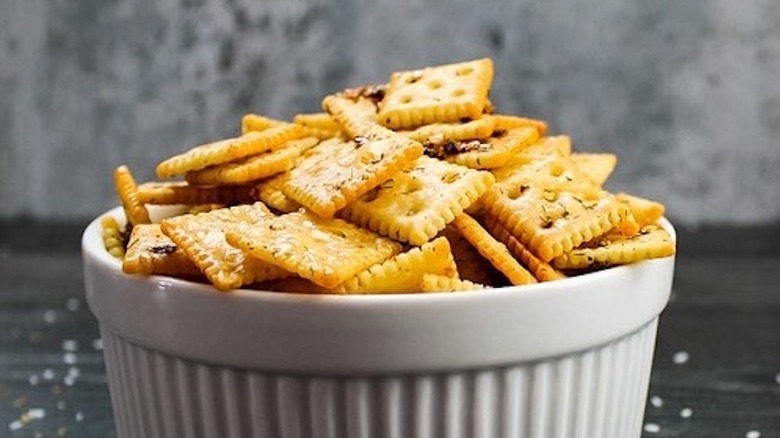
x: 615, y: 249
x: 256, y: 122
x: 149, y: 251
x: 202, y: 238
x: 231, y: 149
x: 440, y: 283
x: 419, y: 202
x: 252, y: 168
x: 112, y: 236
x: 441, y: 94
x: 179, y: 192
x: 325, y: 251
x: 320, y: 125
x: 477, y: 129
x: 541, y: 270
x: 335, y: 173
x: 270, y: 192
x: 596, y: 167
x: 645, y: 211
x: 496, y: 151
x: 127, y: 190
x: 551, y: 210
x: 404, y: 272
x: 355, y: 116
x: 471, y: 265
x: 507, y: 122
x: 559, y: 145
x: 493, y: 250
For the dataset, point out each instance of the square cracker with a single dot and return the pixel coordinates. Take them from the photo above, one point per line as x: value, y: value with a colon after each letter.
x: 231, y: 149
x: 336, y: 172
x: 252, y: 168
x: 419, y: 202
x: 202, y: 238
x: 550, y: 208
x: 180, y: 192
x: 497, y: 150
x: 596, y: 167
x: 403, y: 272
x: 149, y: 251
x: 471, y: 265
x: 441, y: 94
x: 325, y: 251
x: 480, y: 128
x: 270, y: 192
x: 614, y: 248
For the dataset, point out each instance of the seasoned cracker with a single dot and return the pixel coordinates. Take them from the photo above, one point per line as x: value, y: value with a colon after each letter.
x: 270, y: 192
x: 127, y: 190
x: 645, y: 211
x: 493, y: 250
x: 596, y: 167
x: 615, y: 249
x: 325, y: 251
x: 202, y: 238
x: 441, y: 94
x: 149, y: 251
x: 337, y: 172
x: 404, y: 272
x: 320, y: 125
x: 254, y: 167
x: 541, y: 270
x: 441, y: 283
x: 476, y: 129
x: 557, y: 146
x: 419, y: 202
x: 224, y: 151
x: 179, y: 192
x: 256, y: 122
x: 112, y: 237
x: 507, y: 122
x: 355, y: 116
x: 497, y: 150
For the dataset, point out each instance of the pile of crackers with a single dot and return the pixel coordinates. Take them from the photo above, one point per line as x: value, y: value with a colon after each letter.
x: 416, y: 185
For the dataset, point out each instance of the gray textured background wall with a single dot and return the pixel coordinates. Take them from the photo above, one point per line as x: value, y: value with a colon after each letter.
x: 686, y: 92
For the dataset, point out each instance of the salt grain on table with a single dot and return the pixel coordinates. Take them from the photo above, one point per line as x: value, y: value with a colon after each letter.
x: 69, y: 358
x: 69, y: 380
x: 777, y: 378
x: 656, y: 401
x: 36, y: 414
x: 680, y: 357
x: 70, y: 345
x: 753, y: 434
x: 97, y: 344
x: 34, y: 380
x: 686, y: 413
x: 50, y: 316
x: 652, y: 428
x: 79, y: 416
x: 74, y: 371
x: 15, y: 425
x: 73, y: 304
x: 48, y: 374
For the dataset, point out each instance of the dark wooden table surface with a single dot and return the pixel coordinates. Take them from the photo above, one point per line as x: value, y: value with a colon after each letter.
x: 716, y: 371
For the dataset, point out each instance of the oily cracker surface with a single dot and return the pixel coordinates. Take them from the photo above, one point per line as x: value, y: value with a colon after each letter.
x: 542, y: 270
x: 270, y: 192
x: 441, y: 283
x: 325, y: 251
x: 180, y: 192
x: 493, y: 250
x: 597, y: 167
x: 231, y: 149
x: 355, y: 116
x: 252, y: 168
x: 651, y: 242
x: 497, y: 150
x: 403, y: 272
x: 149, y: 251
x: 419, y: 202
x: 471, y: 265
x: 202, y: 238
x: 480, y: 128
x: 506, y: 122
x: 256, y: 122
x: 337, y: 172
x: 320, y: 125
x: 645, y: 211
x: 441, y: 94
x: 127, y: 189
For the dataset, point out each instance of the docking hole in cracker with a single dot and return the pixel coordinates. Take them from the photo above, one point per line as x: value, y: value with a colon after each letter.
x: 417, y: 184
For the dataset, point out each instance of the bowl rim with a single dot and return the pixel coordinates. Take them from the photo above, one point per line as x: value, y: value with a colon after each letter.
x: 92, y: 244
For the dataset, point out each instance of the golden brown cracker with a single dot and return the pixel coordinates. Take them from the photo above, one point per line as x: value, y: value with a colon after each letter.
x: 507, y: 122
x: 270, y: 192
x: 252, y: 168
x: 441, y: 283
x: 256, y: 122
x: 596, y: 167
x: 325, y: 251
x: 320, y: 125
x: 493, y: 250
x: 541, y: 270
x: 112, y: 236
x: 404, y: 272
x: 337, y: 172
x: 149, y: 251
x: 127, y: 190
x: 471, y: 265
x: 231, y: 149
x: 496, y: 151
x: 355, y: 116
x: 418, y: 202
x: 180, y: 192
x: 441, y: 94
x: 645, y: 211
x: 615, y: 249
x: 477, y: 129
x: 202, y: 238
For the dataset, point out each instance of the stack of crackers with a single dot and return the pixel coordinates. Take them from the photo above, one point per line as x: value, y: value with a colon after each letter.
x: 416, y: 185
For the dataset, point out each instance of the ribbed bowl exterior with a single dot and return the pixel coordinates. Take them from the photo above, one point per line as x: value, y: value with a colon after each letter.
x: 598, y: 393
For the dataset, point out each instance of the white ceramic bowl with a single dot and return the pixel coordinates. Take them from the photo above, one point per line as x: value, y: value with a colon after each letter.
x: 569, y: 358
